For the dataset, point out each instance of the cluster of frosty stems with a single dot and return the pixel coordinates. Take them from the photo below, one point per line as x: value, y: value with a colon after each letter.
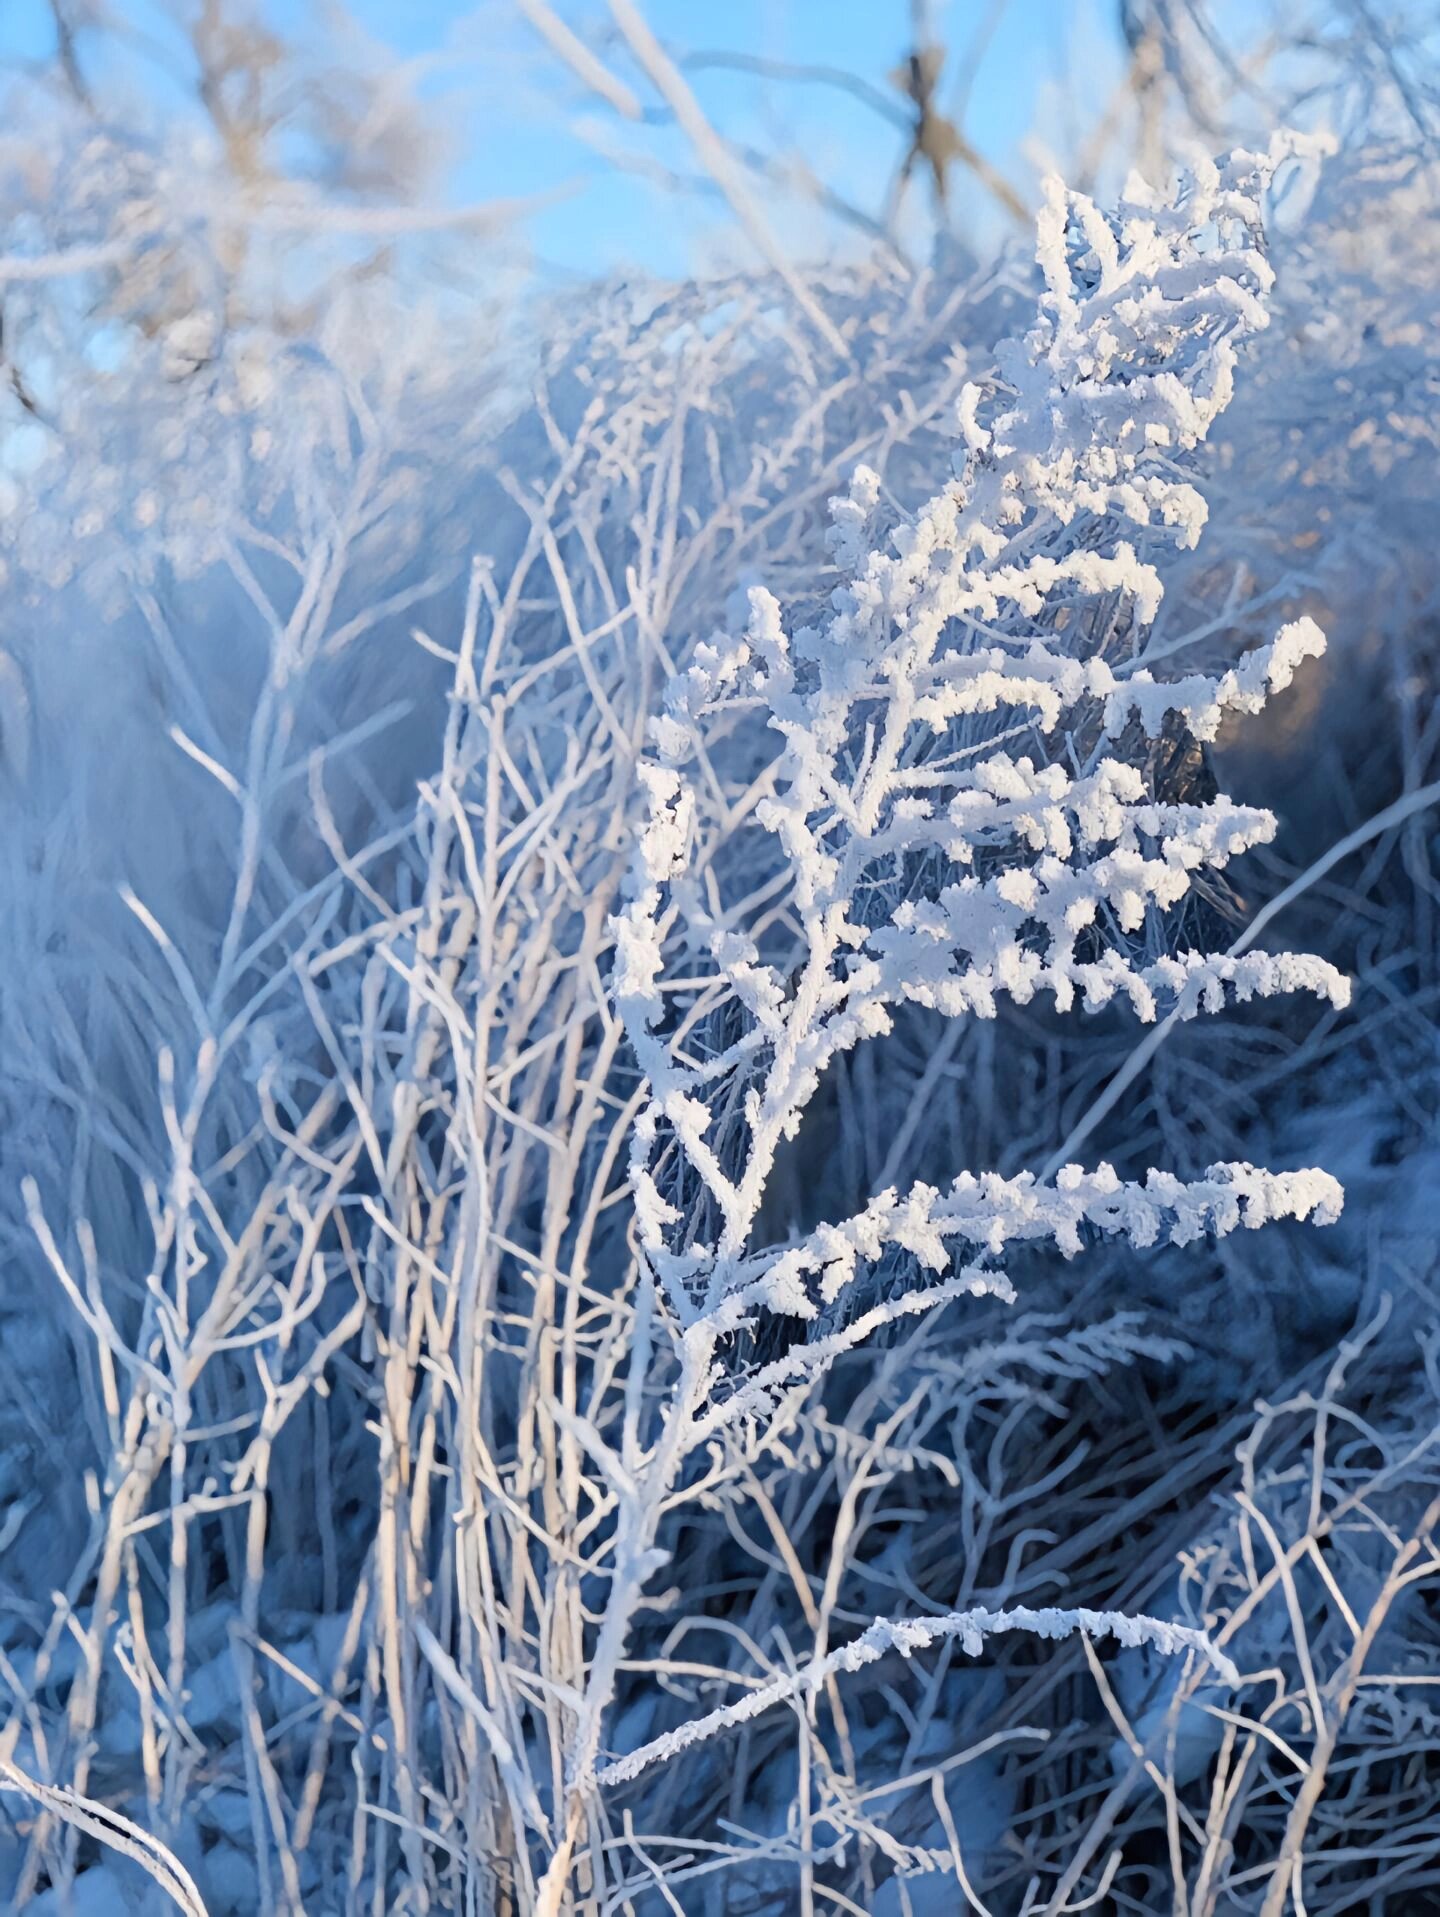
x: 960, y: 810
x: 918, y: 860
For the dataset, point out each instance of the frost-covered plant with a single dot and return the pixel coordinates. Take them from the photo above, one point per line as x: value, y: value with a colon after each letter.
x: 903, y: 847
x: 1314, y: 1572
x: 960, y: 804
x: 390, y: 1435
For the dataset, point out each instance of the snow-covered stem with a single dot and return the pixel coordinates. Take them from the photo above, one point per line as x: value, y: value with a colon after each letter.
x: 906, y: 1636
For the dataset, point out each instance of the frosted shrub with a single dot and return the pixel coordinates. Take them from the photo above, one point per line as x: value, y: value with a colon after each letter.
x: 957, y: 813
x: 482, y: 1525
x: 959, y: 810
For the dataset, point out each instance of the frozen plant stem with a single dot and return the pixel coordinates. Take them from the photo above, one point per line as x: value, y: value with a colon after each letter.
x: 635, y: 1561
x: 927, y: 865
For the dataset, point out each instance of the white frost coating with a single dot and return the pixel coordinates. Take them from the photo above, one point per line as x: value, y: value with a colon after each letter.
x: 1202, y: 703
x: 909, y: 1635
x: 992, y: 1212
x: 959, y: 808
x: 925, y: 860
x: 851, y: 518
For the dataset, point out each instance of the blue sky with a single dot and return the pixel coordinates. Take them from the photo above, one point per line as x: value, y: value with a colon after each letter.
x: 525, y: 120
x: 516, y: 124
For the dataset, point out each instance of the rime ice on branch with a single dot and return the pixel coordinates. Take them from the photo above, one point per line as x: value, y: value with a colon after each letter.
x: 960, y: 806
